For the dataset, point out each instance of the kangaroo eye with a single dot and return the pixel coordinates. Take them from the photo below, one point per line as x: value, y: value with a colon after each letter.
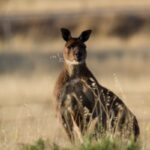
x: 71, y: 46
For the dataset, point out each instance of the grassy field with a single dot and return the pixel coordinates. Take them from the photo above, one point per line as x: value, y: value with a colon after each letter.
x: 27, y: 108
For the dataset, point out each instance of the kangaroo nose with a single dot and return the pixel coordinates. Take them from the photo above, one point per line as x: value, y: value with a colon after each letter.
x: 78, y: 54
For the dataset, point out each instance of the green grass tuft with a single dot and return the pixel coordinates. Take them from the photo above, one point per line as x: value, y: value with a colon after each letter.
x: 106, y: 143
x: 38, y: 145
x: 133, y: 146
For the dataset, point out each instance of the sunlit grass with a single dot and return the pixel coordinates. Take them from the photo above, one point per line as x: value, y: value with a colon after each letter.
x: 25, y: 6
x: 27, y: 110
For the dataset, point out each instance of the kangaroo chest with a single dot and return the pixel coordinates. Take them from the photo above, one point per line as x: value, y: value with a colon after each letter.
x: 79, y: 92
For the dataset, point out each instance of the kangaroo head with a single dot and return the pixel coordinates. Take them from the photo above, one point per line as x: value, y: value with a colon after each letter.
x: 75, y: 49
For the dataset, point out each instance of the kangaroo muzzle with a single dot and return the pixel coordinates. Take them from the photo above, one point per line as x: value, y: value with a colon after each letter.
x: 79, y: 56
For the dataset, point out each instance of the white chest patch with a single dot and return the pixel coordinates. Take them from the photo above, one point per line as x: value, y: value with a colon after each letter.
x: 74, y: 62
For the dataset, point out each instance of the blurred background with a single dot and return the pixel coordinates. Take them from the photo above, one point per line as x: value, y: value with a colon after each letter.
x: 31, y: 59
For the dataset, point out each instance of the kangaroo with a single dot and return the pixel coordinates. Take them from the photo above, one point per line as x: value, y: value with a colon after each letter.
x: 83, y: 104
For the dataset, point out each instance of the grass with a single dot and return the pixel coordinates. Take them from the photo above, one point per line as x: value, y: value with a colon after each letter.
x: 38, y: 145
x: 104, y: 144
x: 25, y: 6
x: 109, y: 144
x: 27, y: 110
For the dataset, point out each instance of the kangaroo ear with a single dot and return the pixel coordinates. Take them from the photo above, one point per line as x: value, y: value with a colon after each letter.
x: 85, y: 35
x: 65, y: 34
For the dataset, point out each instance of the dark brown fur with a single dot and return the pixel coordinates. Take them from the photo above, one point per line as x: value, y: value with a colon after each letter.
x: 81, y: 99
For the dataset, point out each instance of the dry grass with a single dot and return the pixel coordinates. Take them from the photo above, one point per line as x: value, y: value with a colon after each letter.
x: 36, y: 6
x: 27, y: 108
x: 26, y: 111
